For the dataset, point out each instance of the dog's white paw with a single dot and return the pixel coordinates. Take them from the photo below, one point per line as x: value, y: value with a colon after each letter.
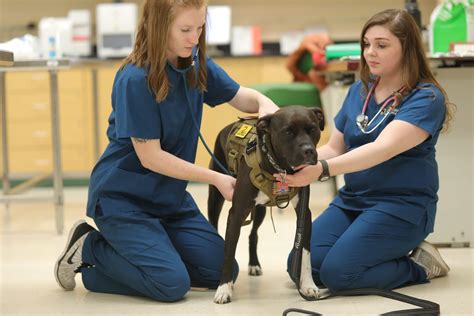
x: 255, y: 270
x: 307, y: 286
x: 224, y: 293
x: 310, y: 291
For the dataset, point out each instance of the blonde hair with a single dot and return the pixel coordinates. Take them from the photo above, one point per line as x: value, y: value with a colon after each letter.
x: 414, y: 67
x: 152, y: 41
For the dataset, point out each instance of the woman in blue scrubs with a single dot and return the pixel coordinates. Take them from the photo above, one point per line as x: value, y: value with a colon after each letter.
x: 153, y: 240
x: 388, y: 204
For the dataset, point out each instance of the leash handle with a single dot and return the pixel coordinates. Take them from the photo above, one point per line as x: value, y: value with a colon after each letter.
x: 295, y: 265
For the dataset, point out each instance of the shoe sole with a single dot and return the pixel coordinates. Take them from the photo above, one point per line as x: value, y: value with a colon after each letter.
x: 432, y: 250
x: 66, y: 249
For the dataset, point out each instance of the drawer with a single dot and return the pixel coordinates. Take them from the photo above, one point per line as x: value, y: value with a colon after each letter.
x: 29, y: 160
x: 40, y: 159
x: 77, y: 159
x: 29, y: 133
x: 28, y: 107
x: 75, y: 132
x: 72, y: 106
x: 76, y: 80
x: 27, y: 81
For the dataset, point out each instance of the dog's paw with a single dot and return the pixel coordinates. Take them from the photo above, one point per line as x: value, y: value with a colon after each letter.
x: 255, y: 270
x: 312, y: 291
x: 224, y: 293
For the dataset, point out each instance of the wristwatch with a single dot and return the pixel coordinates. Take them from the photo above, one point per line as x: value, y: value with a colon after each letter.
x: 325, y: 173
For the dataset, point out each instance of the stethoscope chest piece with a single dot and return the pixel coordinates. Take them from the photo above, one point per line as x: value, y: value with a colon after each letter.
x: 362, y: 120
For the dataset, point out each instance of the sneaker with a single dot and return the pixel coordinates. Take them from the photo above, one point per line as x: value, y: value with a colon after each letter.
x: 70, y: 260
x: 428, y: 257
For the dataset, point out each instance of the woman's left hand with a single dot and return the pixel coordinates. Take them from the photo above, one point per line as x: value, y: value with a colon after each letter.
x: 303, y: 177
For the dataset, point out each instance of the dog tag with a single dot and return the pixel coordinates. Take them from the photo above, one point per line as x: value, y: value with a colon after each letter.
x: 243, y: 131
x: 280, y: 188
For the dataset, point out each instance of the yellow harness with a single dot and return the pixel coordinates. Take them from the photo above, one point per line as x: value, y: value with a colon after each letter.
x: 242, y: 142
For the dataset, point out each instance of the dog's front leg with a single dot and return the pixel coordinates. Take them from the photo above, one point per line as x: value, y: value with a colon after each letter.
x: 243, y: 201
x: 234, y: 222
x: 306, y: 285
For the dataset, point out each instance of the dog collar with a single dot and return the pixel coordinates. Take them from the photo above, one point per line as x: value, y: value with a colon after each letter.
x: 272, y: 161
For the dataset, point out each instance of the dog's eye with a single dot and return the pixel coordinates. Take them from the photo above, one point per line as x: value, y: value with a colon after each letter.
x: 311, y: 129
x: 288, y: 131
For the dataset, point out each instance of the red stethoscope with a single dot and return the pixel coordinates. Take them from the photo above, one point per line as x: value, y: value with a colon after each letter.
x: 362, y: 120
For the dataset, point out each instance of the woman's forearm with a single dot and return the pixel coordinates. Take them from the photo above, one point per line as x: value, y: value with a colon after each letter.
x: 169, y: 165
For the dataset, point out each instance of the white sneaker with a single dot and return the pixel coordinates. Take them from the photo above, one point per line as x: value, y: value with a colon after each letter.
x: 428, y: 257
x: 70, y: 260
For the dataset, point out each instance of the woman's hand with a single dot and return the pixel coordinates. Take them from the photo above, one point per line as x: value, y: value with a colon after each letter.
x: 266, y: 107
x: 225, y: 184
x: 303, y: 177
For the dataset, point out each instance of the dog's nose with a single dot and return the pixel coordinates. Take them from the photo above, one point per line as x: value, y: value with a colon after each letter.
x: 308, y: 150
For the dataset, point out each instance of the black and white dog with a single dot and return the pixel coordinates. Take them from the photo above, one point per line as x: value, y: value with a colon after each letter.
x: 287, y: 141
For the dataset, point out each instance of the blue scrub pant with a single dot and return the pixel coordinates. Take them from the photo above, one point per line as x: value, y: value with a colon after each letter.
x: 136, y: 253
x: 351, y: 249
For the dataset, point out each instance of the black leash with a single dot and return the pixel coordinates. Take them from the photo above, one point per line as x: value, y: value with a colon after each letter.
x: 427, y: 307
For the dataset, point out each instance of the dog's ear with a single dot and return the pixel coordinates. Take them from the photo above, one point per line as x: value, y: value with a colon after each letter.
x: 263, y: 123
x: 320, y: 115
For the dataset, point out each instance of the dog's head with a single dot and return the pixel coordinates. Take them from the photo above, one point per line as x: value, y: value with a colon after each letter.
x: 293, y: 133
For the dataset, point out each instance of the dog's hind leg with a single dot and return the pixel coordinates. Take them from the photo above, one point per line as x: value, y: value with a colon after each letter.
x: 254, y: 265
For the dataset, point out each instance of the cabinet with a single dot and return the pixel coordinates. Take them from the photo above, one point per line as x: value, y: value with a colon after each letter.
x: 29, y: 121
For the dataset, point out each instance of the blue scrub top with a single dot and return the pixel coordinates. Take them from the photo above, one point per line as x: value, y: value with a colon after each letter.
x: 119, y: 180
x: 406, y: 185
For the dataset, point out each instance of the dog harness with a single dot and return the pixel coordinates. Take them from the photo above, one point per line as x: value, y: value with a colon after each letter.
x: 242, y: 143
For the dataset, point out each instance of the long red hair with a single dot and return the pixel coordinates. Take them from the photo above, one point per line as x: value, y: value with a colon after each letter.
x: 152, y: 42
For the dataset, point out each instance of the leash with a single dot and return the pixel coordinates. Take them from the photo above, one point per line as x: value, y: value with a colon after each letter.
x: 427, y: 307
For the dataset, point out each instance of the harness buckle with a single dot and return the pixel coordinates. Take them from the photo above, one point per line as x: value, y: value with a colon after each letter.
x: 251, y: 146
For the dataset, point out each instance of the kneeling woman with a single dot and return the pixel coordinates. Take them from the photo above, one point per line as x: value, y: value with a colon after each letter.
x: 384, y: 142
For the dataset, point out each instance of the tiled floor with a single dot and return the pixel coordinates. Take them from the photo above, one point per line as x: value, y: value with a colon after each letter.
x: 30, y: 246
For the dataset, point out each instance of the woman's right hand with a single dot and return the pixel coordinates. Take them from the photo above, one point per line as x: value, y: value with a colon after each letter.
x: 225, y: 184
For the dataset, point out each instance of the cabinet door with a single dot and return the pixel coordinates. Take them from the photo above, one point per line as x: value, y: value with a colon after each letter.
x: 76, y: 120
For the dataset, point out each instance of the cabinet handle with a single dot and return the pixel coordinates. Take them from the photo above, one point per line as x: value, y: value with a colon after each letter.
x: 40, y: 106
x: 41, y: 133
x: 41, y: 162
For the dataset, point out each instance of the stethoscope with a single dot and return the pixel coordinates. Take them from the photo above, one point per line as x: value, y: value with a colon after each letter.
x: 183, y: 72
x: 362, y: 120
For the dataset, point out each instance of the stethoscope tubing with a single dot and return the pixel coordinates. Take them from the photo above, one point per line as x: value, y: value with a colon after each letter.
x: 393, y: 99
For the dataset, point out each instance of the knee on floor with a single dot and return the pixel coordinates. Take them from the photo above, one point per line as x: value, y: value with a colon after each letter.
x: 337, y: 276
x: 171, y: 287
